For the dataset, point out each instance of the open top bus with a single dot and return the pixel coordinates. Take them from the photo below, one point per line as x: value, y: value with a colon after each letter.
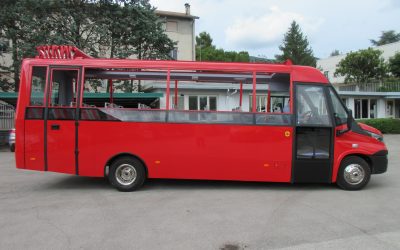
x: 308, y: 136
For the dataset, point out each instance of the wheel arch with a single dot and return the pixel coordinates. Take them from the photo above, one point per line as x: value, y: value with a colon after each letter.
x: 124, y: 154
x: 363, y: 156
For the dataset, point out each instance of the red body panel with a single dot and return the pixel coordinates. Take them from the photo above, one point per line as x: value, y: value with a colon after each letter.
x: 195, y: 151
x: 34, y: 144
x: 351, y: 143
x: 61, y: 147
x: 23, y: 101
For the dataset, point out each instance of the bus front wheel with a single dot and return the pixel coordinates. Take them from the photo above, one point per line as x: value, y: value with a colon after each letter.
x: 354, y: 173
x: 127, y: 174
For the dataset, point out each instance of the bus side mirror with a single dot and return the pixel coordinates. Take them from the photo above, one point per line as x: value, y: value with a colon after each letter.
x: 349, y: 119
x: 349, y: 123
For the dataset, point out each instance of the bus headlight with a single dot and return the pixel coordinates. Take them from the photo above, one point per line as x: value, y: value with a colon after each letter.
x: 376, y: 136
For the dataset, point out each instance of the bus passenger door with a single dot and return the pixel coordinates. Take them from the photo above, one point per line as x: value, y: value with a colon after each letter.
x: 313, y: 152
x: 61, y: 123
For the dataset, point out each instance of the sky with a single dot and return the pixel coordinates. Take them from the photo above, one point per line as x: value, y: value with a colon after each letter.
x: 258, y: 26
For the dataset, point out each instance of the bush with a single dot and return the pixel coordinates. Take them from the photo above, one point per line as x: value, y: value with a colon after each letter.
x: 385, y: 125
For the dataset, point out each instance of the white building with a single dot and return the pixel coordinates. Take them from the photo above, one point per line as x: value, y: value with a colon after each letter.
x: 180, y: 28
x: 367, y: 100
x: 221, y: 96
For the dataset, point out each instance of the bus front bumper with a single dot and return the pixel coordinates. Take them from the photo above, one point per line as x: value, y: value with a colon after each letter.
x: 379, y: 162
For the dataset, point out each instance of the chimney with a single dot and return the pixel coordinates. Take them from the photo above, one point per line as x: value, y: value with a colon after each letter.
x: 187, y: 9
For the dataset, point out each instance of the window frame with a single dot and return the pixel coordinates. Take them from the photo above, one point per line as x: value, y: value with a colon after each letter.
x: 198, y: 102
x: 329, y: 89
x: 323, y: 86
x: 47, y: 76
x: 77, y: 87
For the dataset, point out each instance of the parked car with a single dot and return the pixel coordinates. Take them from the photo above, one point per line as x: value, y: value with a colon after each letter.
x: 11, y: 140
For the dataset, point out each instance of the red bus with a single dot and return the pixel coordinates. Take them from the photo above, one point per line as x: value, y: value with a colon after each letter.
x: 313, y: 138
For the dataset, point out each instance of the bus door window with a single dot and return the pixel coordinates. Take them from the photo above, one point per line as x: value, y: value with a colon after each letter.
x: 63, y: 88
x: 313, y: 121
x: 62, y: 96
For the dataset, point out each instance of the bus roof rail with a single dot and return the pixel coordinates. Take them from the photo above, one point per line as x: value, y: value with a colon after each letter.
x: 60, y: 52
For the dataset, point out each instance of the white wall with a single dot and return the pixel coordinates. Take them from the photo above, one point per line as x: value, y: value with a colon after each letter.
x: 225, y: 101
x: 184, y: 38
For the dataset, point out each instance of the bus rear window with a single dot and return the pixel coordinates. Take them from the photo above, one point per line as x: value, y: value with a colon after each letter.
x: 38, y: 86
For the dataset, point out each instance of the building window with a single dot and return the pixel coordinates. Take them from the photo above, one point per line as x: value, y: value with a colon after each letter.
x: 278, y: 104
x: 4, y: 45
x: 326, y: 73
x: 181, y: 102
x: 203, y: 103
x: 365, y: 108
x: 172, y: 26
x: 372, y: 108
x: 174, y: 54
x: 389, y: 108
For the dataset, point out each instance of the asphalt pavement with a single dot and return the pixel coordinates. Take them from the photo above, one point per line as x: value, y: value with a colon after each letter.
x: 55, y: 211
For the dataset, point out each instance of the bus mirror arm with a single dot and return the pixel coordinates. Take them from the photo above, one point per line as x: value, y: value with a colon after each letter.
x: 349, y: 123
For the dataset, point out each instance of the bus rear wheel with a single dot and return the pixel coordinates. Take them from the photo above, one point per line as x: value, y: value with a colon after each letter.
x: 354, y: 173
x: 127, y: 174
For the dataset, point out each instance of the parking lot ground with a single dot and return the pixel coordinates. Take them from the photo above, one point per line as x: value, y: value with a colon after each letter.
x: 54, y: 211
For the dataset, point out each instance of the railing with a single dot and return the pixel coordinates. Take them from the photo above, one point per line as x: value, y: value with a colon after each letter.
x: 7, y: 115
x: 391, y: 86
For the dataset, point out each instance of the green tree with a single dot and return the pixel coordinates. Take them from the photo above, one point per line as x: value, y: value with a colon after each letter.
x: 335, y: 53
x: 75, y: 22
x: 386, y: 37
x: 295, y: 47
x: 362, y: 66
x: 122, y: 28
x: 394, y: 65
x: 22, y: 22
x: 206, y: 51
x: 132, y: 28
x: 204, y: 40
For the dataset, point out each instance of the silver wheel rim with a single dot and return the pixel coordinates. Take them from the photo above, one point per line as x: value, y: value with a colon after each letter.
x: 125, y: 174
x: 354, y: 174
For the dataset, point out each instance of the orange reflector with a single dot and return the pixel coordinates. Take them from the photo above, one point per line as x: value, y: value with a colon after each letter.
x: 287, y: 133
x: 32, y: 159
x: 157, y: 162
x: 266, y: 165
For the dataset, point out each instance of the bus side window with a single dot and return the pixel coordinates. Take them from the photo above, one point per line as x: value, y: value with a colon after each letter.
x: 38, y: 85
x: 63, y: 88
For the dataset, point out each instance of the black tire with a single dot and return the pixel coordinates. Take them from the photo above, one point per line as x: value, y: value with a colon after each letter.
x: 12, y: 148
x: 357, y: 175
x: 127, y: 174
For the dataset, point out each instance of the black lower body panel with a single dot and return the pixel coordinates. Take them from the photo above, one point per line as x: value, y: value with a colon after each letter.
x: 379, y: 162
x: 312, y: 171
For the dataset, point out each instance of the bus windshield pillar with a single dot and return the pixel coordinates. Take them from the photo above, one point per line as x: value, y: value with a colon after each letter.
x: 254, y: 109
x: 168, y: 89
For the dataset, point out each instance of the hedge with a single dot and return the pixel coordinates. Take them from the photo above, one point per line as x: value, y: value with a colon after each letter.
x: 385, y: 125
